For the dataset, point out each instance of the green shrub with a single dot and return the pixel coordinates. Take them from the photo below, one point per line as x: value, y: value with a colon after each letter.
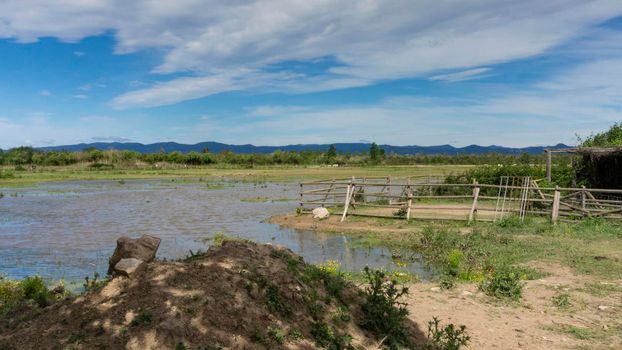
x: 400, y: 213
x: 384, y: 314
x: 274, y: 301
x: 276, y: 335
x: 30, y: 290
x: 101, y: 166
x: 510, y: 221
x: 326, y: 337
x: 294, y: 335
x: 447, y: 281
x: 503, y: 282
x: 562, y: 175
x: 446, y: 338
x: 455, y: 258
x: 33, y: 288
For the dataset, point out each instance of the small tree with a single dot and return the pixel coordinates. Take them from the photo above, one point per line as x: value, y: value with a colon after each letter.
x: 374, y: 152
x: 331, y: 154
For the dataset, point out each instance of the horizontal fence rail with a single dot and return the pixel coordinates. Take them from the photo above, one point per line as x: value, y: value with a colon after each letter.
x: 426, y: 197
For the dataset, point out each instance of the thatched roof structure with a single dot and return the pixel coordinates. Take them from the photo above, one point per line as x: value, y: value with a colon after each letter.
x: 599, y: 167
x: 588, y: 151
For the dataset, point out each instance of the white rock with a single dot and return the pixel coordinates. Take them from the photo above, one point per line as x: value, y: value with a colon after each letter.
x: 602, y: 307
x: 320, y: 213
x: 128, y: 267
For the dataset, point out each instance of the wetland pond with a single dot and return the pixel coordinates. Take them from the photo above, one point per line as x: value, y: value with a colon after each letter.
x: 67, y: 230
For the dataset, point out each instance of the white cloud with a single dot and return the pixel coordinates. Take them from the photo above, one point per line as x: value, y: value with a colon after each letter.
x: 79, y: 53
x: 45, y: 93
x: 371, y: 40
x: 80, y: 96
x: 470, y: 74
x: 110, y: 139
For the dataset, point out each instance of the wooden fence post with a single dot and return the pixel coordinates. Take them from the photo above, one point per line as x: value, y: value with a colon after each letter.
x: 555, y: 208
x: 330, y: 189
x: 349, y: 194
x: 410, y: 202
x: 583, y: 195
x: 301, y: 198
x: 476, y: 190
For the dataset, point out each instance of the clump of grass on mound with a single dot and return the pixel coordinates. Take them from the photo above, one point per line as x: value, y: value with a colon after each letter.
x: 27, y: 294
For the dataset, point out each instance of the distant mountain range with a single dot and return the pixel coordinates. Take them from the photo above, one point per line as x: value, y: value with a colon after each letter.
x: 217, y: 147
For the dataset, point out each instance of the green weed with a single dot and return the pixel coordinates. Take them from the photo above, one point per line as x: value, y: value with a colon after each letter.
x: 562, y: 300
x: 294, y: 335
x: 144, y: 318
x: 503, y: 282
x: 275, y: 302
x: 384, y: 314
x: 93, y: 284
x: 276, y: 335
x: 449, y: 337
x: 326, y: 337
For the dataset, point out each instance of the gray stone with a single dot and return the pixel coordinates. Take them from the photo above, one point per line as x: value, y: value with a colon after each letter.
x: 143, y: 248
x: 128, y: 267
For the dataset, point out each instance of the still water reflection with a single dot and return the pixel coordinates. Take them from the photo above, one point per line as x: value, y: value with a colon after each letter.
x: 67, y: 230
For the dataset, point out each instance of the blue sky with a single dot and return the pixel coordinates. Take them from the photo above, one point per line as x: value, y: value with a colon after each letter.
x: 281, y: 72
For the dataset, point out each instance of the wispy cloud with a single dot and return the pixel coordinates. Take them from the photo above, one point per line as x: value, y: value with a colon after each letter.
x: 45, y: 93
x: 80, y: 96
x: 470, y: 74
x: 370, y: 41
x: 110, y: 139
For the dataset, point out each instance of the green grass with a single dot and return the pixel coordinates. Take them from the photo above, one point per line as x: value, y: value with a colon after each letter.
x: 601, y: 289
x: 265, y: 200
x: 591, y: 247
x: 584, y: 333
x: 257, y: 174
x: 30, y: 291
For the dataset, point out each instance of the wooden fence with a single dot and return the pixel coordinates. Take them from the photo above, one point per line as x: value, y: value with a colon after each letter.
x: 430, y: 198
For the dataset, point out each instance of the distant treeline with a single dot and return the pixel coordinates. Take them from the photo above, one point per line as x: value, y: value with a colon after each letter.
x: 22, y: 156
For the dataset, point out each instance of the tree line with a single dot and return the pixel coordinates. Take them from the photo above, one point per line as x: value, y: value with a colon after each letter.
x: 24, y: 156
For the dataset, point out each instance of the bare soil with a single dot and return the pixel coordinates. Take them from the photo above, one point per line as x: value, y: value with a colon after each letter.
x: 231, y: 298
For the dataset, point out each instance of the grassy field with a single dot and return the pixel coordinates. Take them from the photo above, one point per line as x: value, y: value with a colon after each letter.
x: 274, y: 173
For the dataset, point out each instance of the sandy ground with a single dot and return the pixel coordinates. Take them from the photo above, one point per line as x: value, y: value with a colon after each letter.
x: 535, y: 322
x: 592, y: 321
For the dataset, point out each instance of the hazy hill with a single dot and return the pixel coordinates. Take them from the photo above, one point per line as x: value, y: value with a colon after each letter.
x: 217, y: 147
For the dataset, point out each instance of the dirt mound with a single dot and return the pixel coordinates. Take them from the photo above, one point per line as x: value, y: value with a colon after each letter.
x: 240, y: 295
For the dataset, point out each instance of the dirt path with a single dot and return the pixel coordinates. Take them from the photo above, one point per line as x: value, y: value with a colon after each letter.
x: 589, y: 322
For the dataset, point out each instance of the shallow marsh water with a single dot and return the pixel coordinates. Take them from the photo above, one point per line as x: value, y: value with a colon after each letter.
x: 67, y: 230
